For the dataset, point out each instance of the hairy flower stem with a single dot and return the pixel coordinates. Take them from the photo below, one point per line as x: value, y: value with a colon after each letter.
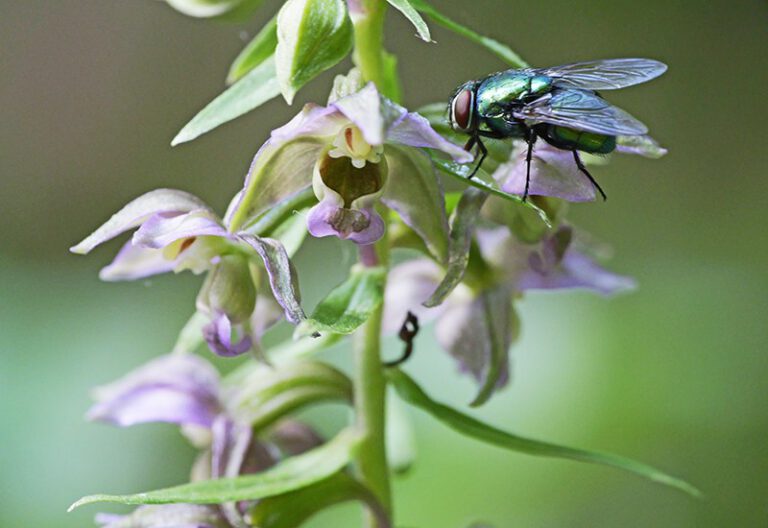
x: 370, y: 397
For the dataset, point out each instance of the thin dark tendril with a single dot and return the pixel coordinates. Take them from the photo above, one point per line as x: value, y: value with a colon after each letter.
x: 407, y: 334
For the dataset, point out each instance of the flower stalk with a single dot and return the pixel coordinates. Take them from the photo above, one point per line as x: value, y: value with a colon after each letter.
x: 369, y: 40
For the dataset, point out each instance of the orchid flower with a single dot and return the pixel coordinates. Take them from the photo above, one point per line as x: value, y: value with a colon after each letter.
x: 184, y: 389
x: 178, y: 231
x: 359, y: 149
x: 477, y: 323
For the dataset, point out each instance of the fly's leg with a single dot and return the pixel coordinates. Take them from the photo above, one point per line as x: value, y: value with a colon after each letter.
x: 584, y: 170
x: 475, y: 140
x: 531, y: 140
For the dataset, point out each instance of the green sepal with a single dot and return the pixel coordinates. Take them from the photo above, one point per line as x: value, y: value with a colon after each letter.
x: 407, y: 9
x: 268, y: 394
x: 410, y: 391
x: 502, y: 51
x: 259, y: 49
x: 417, y: 196
x: 278, y: 172
x: 288, y: 475
x: 312, y: 36
x: 293, y: 509
x: 348, y: 305
x: 460, y: 238
x: 256, y: 88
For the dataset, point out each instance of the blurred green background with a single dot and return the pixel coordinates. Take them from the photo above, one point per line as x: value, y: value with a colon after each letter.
x: 675, y: 374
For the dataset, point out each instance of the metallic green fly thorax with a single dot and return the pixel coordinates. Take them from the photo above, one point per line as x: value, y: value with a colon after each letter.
x: 561, y: 105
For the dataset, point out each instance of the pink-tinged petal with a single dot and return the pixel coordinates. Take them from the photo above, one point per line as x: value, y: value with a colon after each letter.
x: 312, y: 121
x: 414, y: 130
x: 134, y: 262
x: 166, y: 516
x: 408, y: 286
x: 477, y: 332
x: 363, y: 108
x: 181, y: 389
x: 362, y: 226
x: 576, y: 270
x: 163, y: 229
x: 235, y: 451
x: 218, y: 335
x: 137, y: 211
x: 553, y: 173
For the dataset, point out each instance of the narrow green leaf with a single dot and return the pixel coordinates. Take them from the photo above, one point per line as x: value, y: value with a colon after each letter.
x: 405, y: 7
x: 293, y: 509
x: 261, y: 48
x: 462, y: 228
x: 349, y: 305
x: 502, y: 51
x: 256, y: 88
x: 312, y: 36
x: 484, y: 182
x: 410, y: 391
x: 291, y: 474
x: 270, y: 393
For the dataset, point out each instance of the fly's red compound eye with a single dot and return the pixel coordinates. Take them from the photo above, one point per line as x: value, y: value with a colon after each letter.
x: 462, y: 109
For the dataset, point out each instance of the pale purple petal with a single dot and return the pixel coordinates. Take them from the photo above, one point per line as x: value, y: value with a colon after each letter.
x: 135, y: 212
x: 576, y: 270
x: 166, y: 516
x: 312, y: 121
x: 363, y: 108
x: 163, y: 229
x: 218, y: 335
x: 477, y: 332
x: 283, y: 279
x: 134, y: 262
x: 553, y: 173
x: 235, y: 450
x: 410, y: 284
x: 180, y: 389
x: 362, y: 226
x: 414, y: 130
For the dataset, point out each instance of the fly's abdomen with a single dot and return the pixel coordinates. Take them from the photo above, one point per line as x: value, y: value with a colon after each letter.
x: 570, y: 139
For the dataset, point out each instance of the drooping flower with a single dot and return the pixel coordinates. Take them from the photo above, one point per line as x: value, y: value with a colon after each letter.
x: 359, y: 149
x: 177, y: 231
x: 185, y: 390
x: 477, y: 323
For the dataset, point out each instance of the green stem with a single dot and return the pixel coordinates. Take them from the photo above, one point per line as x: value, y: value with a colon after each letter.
x: 370, y: 384
x: 370, y: 401
x: 369, y: 40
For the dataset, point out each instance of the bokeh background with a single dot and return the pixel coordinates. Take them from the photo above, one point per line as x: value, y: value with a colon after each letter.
x: 675, y: 374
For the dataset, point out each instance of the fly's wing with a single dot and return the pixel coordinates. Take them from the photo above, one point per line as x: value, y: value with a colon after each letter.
x: 580, y: 110
x: 609, y: 74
